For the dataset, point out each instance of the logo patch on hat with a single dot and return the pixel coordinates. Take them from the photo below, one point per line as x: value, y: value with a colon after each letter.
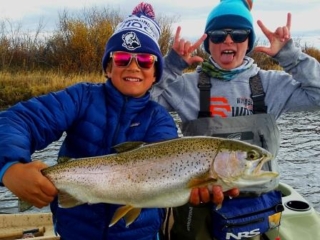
x: 130, y: 41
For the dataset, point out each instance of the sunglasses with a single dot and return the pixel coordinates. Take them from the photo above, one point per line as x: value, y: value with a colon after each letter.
x: 123, y: 59
x: 237, y: 35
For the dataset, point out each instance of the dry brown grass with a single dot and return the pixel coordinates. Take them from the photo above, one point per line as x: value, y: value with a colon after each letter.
x: 31, y: 66
x: 22, y: 86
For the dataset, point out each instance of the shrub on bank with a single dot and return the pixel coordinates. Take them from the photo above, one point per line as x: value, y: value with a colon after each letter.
x: 33, y: 64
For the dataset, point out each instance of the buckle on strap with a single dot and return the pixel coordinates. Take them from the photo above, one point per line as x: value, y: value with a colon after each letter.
x: 258, y: 97
x: 204, y: 86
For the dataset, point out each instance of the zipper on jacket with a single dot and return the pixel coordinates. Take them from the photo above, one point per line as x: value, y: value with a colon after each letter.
x: 118, y: 124
x: 233, y: 225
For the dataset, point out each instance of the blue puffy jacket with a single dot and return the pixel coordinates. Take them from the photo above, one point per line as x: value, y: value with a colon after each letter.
x: 95, y: 117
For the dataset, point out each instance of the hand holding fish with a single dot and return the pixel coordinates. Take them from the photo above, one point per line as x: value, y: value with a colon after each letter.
x: 185, y: 48
x: 277, y: 39
x: 203, y: 195
x: 27, y: 183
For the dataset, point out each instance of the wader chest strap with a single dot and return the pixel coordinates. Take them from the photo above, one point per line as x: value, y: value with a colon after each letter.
x: 204, y: 86
x: 257, y: 95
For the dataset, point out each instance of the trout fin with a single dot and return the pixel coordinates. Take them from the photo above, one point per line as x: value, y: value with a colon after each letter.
x: 66, y: 200
x: 218, y: 206
x: 63, y: 159
x: 23, y: 205
x: 132, y: 215
x: 119, y: 213
x: 127, y: 146
x: 201, y: 181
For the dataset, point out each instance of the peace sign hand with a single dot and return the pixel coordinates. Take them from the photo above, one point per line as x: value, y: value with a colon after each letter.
x: 185, y: 48
x: 277, y: 39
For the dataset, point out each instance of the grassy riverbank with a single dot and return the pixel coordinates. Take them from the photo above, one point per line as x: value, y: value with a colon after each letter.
x: 20, y: 86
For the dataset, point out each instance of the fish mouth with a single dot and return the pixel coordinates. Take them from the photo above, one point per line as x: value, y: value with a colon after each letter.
x: 258, y: 174
x: 255, y: 168
x: 267, y: 157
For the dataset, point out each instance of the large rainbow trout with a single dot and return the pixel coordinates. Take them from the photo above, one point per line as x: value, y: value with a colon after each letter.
x: 158, y: 175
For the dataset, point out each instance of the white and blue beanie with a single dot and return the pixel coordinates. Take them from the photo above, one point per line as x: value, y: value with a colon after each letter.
x: 138, y: 33
x: 232, y: 14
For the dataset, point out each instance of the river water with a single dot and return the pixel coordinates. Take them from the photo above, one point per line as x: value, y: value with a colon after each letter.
x: 299, y: 159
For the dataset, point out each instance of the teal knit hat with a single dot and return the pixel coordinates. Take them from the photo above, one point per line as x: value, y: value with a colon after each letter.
x: 232, y: 14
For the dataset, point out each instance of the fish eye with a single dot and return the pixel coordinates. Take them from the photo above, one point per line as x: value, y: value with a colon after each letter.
x: 252, y: 155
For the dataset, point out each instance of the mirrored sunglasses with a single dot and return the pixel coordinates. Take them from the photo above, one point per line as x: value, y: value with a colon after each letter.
x: 123, y: 59
x: 237, y: 35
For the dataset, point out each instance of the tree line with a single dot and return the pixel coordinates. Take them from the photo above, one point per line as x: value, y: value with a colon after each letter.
x: 76, y: 46
x: 78, y: 43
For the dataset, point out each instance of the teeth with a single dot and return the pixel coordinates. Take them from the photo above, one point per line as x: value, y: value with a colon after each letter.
x: 133, y: 79
x: 228, y: 52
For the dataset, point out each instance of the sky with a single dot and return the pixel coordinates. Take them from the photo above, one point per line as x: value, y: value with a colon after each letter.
x: 190, y: 15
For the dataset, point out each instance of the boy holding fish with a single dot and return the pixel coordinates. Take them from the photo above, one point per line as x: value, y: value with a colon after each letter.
x: 95, y: 117
x: 230, y: 96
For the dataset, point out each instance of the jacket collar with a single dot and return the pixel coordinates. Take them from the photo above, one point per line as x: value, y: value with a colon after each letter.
x: 119, y: 100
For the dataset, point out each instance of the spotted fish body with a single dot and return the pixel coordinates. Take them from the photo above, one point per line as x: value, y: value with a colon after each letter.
x: 160, y: 174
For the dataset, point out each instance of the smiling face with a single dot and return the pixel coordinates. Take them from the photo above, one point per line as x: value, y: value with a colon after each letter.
x: 228, y: 54
x: 131, y: 80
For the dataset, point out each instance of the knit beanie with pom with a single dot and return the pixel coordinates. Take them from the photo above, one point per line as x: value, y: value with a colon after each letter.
x: 138, y: 33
